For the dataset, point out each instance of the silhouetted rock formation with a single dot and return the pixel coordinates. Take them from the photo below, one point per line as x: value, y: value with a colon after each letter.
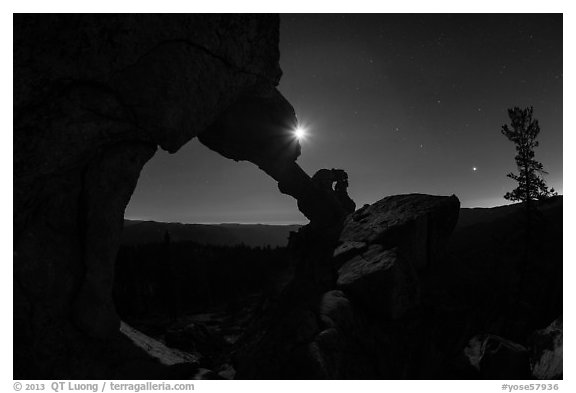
x: 334, y: 183
x: 258, y: 128
x: 373, y: 293
x: 381, y: 296
x: 357, y: 331
x: 384, y: 246
x: 274, y: 347
x: 255, y: 129
x: 94, y: 95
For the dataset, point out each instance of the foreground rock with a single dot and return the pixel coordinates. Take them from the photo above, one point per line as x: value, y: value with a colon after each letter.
x: 94, y: 97
x: 418, y: 224
x: 352, y: 324
x: 165, y: 355
x: 547, y: 353
x: 385, y: 245
x: 497, y: 358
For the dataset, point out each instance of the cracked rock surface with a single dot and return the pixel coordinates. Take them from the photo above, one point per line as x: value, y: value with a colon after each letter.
x: 94, y: 97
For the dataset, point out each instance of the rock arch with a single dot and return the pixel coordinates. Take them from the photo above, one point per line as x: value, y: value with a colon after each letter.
x: 94, y: 97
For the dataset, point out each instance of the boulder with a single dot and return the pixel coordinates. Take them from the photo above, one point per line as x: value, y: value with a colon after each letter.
x: 381, y: 280
x: 139, y: 356
x: 497, y: 358
x: 418, y: 224
x: 326, y: 353
x: 156, y: 349
x: 385, y: 246
x: 336, y: 311
x: 547, y: 352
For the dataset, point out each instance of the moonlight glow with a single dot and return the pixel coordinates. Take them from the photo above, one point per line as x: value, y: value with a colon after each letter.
x: 300, y: 133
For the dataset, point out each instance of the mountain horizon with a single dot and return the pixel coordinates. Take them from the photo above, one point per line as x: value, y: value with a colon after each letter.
x: 273, y: 235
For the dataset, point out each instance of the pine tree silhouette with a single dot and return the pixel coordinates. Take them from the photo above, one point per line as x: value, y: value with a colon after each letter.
x: 523, y: 131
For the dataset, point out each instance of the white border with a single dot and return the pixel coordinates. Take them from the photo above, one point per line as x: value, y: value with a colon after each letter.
x: 420, y: 6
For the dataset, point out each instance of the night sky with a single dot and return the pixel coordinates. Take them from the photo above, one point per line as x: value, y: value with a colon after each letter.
x: 404, y: 103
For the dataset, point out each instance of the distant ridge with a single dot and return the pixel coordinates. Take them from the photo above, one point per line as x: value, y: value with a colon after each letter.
x: 484, y: 215
x: 260, y: 235
x: 253, y: 235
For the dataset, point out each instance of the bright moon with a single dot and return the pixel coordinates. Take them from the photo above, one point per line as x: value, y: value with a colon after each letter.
x: 300, y: 133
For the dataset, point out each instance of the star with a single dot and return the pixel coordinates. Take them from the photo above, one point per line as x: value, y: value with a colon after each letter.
x: 474, y: 168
